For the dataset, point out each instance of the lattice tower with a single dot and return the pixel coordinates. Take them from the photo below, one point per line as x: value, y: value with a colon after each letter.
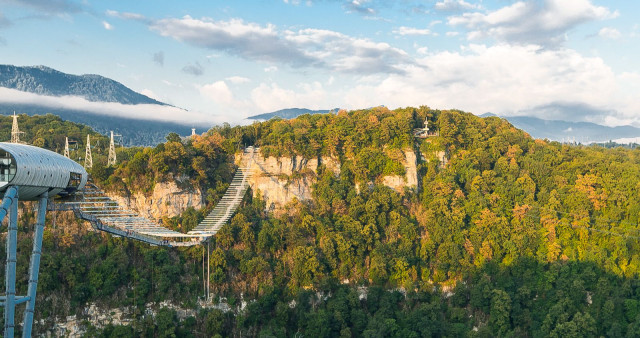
x: 88, y: 160
x: 66, y: 147
x: 112, y: 152
x: 15, y: 131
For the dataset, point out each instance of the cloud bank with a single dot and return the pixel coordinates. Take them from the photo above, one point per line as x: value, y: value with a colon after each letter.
x: 543, y: 23
x: 316, y: 48
x: 139, y: 111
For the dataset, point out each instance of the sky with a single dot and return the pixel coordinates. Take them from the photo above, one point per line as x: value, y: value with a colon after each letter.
x: 222, y: 61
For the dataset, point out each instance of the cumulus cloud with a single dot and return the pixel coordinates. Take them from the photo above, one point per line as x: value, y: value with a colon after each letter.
x: 303, y: 48
x: 360, y: 6
x: 340, y: 52
x: 247, y: 40
x: 218, y: 92
x: 455, y: 6
x: 609, y: 33
x: 271, y: 97
x: 139, y: 111
x: 402, y: 30
x: 194, y: 69
x: 107, y: 25
x: 238, y: 79
x: 531, y: 22
x: 509, y: 80
x: 158, y: 58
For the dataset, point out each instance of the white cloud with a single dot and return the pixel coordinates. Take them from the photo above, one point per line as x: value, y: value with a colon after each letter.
x: 151, y: 94
x: 609, y: 33
x: 139, y: 111
x: 303, y: 48
x: 360, y: 6
x: 455, y: 6
x: 524, y: 22
x: 127, y: 15
x: 238, y: 79
x: 508, y: 79
x: 218, y: 92
x: 411, y: 31
x: 452, y: 33
x: 271, y: 69
x: 107, y: 25
x: 271, y: 97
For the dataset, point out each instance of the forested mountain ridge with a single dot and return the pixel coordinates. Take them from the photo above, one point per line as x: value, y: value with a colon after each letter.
x: 512, y: 237
x: 290, y: 113
x: 47, y: 81
x: 136, y: 131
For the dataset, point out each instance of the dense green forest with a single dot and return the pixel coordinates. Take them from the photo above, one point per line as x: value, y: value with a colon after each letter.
x: 512, y: 237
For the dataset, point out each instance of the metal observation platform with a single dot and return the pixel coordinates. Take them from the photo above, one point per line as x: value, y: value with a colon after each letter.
x: 32, y: 173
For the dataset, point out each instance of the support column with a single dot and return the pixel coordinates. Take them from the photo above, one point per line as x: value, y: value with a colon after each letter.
x: 204, y: 282
x: 208, y: 272
x: 10, y: 273
x: 35, y: 266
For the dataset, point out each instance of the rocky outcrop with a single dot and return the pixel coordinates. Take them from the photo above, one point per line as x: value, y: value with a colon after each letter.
x: 76, y: 326
x: 281, y: 179
x: 410, y: 178
x: 166, y: 199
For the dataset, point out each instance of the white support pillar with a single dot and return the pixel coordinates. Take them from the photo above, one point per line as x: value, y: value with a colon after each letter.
x: 10, y: 274
x: 35, y: 266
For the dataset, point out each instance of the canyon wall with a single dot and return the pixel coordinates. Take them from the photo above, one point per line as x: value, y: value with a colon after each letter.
x: 281, y: 179
x: 166, y: 199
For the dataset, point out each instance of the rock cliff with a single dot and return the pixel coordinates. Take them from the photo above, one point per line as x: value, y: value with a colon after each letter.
x: 280, y: 180
x: 166, y: 199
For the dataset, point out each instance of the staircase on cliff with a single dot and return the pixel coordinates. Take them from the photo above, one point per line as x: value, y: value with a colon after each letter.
x: 105, y: 214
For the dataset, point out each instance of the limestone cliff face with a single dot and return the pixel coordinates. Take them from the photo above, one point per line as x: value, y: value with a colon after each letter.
x: 280, y: 180
x: 410, y: 178
x: 166, y: 199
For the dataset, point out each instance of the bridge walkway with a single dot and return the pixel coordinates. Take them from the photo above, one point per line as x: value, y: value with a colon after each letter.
x: 105, y: 214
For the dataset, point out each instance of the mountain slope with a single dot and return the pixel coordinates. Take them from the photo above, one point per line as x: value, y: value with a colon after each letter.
x: 290, y: 113
x: 558, y: 130
x: 47, y: 81
x: 138, y: 130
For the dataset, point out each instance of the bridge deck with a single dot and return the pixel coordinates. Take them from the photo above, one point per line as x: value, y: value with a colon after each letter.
x: 107, y: 215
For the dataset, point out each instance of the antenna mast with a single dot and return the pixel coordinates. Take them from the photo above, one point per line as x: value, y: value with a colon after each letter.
x: 88, y: 160
x: 15, y: 131
x: 112, y: 152
x: 66, y: 147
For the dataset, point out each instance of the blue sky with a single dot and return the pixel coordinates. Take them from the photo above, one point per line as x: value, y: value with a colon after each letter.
x: 223, y: 61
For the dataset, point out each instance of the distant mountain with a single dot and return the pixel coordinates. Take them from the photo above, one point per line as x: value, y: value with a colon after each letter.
x: 581, y: 132
x: 45, y: 81
x: 290, y: 113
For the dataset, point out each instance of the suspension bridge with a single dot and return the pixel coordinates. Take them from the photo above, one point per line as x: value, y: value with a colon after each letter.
x: 32, y: 173
x: 105, y: 214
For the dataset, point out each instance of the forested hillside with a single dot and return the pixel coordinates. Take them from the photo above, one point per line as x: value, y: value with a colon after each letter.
x: 511, y: 237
